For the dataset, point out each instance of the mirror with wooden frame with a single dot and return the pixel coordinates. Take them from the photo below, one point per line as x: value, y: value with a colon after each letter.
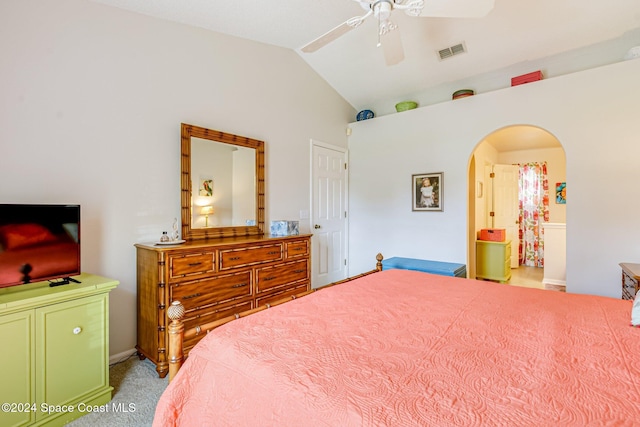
x: 222, y: 180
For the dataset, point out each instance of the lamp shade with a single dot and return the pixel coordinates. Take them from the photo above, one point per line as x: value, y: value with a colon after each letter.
x: 206, y: 210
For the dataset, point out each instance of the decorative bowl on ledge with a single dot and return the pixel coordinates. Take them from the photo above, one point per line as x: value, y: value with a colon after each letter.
x: 405, y: 105
x: 462, y: 93
x: 365, y: 115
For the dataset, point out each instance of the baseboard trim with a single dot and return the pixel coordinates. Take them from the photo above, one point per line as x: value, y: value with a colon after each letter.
x: 115, y: 358
x: 554, y: 282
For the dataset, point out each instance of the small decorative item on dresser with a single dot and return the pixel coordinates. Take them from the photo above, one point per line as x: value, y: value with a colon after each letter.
x: 284, y: 228
x: 365, y: 115
x: 462, y: 93
x: 175, y: 235
x: 406, y: 105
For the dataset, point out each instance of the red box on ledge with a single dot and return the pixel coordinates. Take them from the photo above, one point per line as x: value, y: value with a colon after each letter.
x: 493, y: 234
x: 526, y: 78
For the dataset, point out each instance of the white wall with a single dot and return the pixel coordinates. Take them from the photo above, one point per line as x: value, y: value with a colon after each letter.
x: 90, y: 112
x: 484, y: 156
x: 593, y: 114
x: 584, y: 58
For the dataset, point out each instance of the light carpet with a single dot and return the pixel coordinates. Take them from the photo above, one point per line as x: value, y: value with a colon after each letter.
x: 137, y: 389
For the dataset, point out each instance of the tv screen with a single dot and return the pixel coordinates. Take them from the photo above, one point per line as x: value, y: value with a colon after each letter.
x: 38, y: 242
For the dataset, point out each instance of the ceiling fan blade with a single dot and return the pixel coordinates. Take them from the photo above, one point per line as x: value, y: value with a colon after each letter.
x: 327, y: 38
x: 457, y: 8
x: 392, y: 47
x: 334, y: 33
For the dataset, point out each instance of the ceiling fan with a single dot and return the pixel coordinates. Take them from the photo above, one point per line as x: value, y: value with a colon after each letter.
x: 390, y: 39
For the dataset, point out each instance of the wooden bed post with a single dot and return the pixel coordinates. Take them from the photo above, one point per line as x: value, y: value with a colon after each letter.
x: 175, y: 312
x: 379, y: 258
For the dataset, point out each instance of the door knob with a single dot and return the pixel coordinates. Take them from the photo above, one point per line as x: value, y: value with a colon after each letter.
x: 316, y: 226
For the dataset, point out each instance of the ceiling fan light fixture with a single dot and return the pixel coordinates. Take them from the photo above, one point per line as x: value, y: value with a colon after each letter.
x: 385, y: 26
x: 356, y: 20
x: 382, y: 9
x: 412, y: 8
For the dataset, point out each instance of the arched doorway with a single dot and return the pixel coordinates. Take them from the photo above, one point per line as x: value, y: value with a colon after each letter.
x: 516, y: 144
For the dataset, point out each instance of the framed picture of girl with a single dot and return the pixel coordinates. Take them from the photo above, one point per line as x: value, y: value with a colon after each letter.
x: 427, y: 192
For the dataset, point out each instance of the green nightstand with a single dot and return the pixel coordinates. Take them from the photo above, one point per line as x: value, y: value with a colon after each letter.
x: 493, y: 260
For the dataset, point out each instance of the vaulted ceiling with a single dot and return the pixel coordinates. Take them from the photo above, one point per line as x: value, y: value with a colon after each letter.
x: 511, y: 32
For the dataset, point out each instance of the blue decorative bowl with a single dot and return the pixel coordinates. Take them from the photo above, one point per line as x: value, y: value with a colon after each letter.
x: 364, y: 115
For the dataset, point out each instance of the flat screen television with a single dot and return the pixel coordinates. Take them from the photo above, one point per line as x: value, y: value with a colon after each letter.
x: 38, y: 243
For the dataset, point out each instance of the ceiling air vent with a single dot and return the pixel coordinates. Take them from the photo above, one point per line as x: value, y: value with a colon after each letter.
x: 451, y: 51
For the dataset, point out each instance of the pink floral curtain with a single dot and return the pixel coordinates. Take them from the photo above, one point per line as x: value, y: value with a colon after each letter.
x: 534, y: 211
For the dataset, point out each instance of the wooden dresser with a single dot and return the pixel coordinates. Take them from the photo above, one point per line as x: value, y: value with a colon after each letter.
x: 630, y: 280
x: 213, y: 278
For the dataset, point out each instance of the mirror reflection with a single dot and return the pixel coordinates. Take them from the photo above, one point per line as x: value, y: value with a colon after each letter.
x: 223, y: 184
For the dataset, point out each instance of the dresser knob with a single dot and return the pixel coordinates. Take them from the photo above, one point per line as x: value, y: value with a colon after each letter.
x: 77, y: 330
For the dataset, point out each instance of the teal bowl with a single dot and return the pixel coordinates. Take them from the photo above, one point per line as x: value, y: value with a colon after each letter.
x: 405, y: 105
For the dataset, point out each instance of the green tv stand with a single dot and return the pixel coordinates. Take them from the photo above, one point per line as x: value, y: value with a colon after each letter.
x: 54, y: 357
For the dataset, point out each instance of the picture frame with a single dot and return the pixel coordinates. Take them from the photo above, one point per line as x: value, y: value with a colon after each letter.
x: 561, y: 193
x: 427, y: 192
x: 205, y: 189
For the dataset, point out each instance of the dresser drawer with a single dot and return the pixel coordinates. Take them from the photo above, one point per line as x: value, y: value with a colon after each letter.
x: 191, y: 264
x: 297, y: 248
x: 287, y: 292
x: 203, y: 292
x: 507, y: 252
x: 271, y: 277
x: 507, y: 260
x: 202, y: 316
x: 232, y: 258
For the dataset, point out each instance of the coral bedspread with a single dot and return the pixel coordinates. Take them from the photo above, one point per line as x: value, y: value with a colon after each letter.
x: 404, y: 348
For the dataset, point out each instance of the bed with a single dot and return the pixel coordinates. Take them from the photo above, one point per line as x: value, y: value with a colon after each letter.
x: 407, y: 348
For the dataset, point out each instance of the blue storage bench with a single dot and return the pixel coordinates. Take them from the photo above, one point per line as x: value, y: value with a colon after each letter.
x: 433, y: 267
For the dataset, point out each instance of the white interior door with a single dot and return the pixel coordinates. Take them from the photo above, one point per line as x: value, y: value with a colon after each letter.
x: 506, y: 205
x: 329, y: 211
